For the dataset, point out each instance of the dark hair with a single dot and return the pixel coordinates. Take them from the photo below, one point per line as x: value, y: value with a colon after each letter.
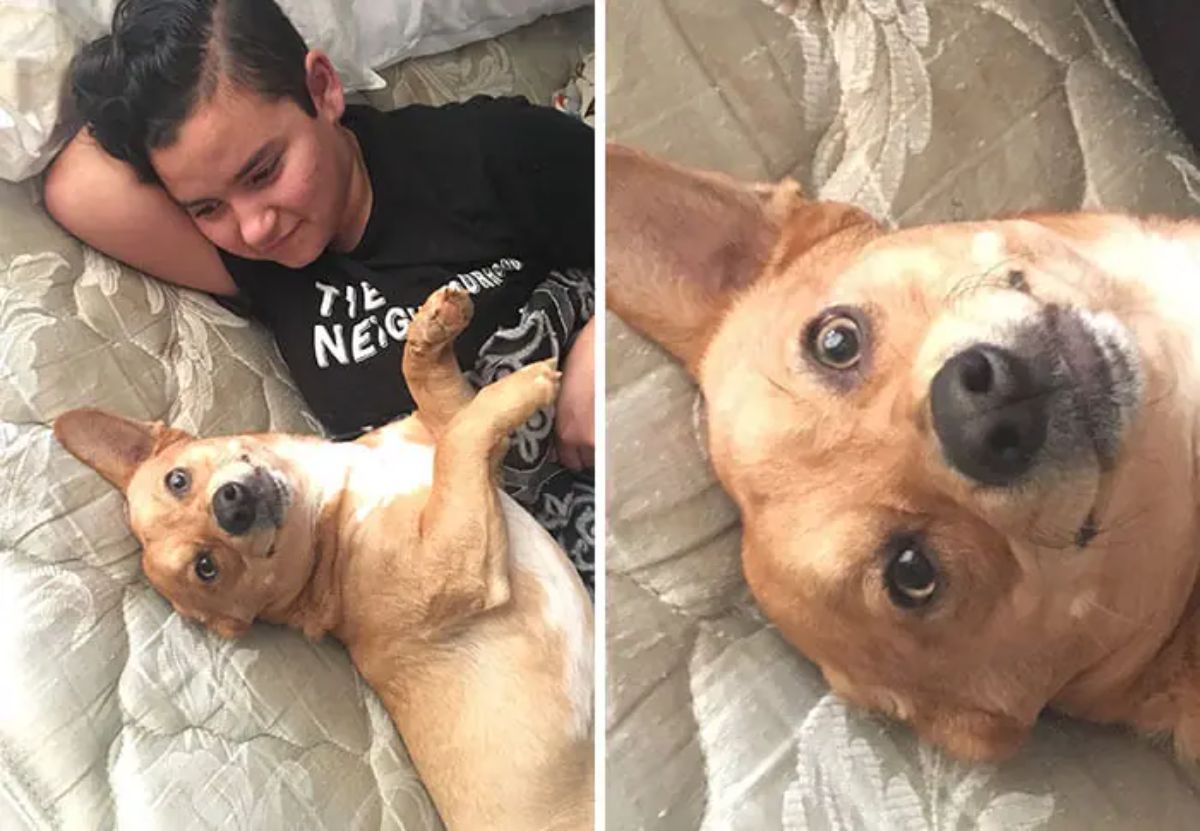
x: 134, y: 87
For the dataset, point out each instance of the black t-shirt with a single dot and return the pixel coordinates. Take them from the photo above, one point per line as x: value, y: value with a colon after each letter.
x: 490, y: 194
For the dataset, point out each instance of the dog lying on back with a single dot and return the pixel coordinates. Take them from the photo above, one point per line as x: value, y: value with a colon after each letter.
x: 461, y: 612
x: 965, y: 455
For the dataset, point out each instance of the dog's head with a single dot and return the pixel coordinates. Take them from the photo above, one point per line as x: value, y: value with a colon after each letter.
x: 227, y: 533
x: 949, y: 445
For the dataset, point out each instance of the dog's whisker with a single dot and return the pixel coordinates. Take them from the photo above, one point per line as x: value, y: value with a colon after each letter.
x: 1112, y: 613
x: 1048, y: 537
x: 770, y: 380
x: 988, y: 278
x: 1108, y: 533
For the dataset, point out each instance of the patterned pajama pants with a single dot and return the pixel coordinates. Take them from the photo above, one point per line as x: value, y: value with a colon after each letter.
x: 562, y: 501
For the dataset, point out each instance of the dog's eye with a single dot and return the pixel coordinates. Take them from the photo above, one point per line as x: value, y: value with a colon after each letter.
x: 837, y: 342
x: 205, y: 567
x: 178, y: 481
x: 910, y: 575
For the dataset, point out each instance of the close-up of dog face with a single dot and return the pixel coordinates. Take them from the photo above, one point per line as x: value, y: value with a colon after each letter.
x: 950, y: 447
x: 226, y: 533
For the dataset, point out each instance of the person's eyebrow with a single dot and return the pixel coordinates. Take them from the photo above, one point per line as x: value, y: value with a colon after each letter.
x: 254, y: 161
x: 259, y: 156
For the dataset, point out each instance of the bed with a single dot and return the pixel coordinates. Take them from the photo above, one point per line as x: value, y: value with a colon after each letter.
x: 917, y: 110
x: 114, y: 712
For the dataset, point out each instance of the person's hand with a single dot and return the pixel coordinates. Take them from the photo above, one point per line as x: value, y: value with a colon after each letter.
x: 574, y: 420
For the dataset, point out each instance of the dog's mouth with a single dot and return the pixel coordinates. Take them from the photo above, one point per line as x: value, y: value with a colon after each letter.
x: 1097, y: 372
x: 1051, y: 403
x: 275, y: 495
x: 1100, y: 378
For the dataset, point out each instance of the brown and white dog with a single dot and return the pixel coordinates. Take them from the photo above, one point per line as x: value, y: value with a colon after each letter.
x: 457, y: 608
x: 965, y: 455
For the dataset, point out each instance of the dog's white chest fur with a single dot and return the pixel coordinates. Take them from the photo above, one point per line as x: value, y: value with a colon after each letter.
x: 392, y: 468
x: 370, y: 475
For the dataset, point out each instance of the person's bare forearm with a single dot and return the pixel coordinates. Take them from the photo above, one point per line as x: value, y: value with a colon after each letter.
x: 575, y: 419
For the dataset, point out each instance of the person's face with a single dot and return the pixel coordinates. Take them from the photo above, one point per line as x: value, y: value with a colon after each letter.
x: 263, y: 179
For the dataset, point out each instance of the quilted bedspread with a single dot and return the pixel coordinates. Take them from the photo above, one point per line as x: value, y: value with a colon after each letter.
x: 114, y: 712
x: 917, y: 110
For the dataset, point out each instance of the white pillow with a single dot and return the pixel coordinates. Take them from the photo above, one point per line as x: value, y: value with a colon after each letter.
x: 36, y: 45
x: 393, y: 30
x: 328, y: 25
x: 38, y: 38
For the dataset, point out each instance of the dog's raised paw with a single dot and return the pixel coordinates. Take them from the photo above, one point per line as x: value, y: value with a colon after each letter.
x: 441, y: 318
x: 545, y: 380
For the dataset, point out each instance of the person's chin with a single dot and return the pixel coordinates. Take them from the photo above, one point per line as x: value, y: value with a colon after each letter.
x: 296, y: 251
x: 295, y: 260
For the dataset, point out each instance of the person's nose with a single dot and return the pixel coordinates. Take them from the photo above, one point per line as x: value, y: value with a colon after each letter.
x: 259, y: 224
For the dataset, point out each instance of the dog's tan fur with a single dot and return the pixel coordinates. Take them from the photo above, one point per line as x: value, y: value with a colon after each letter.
x: 457, y: 608
x: 726, y: 276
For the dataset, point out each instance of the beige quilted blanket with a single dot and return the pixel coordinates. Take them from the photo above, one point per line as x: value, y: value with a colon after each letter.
x: 917, y: 110
x: 113, y: 711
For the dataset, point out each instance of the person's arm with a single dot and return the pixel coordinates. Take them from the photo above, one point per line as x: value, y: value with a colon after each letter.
x: 574, y: 419
x: 100, y: 200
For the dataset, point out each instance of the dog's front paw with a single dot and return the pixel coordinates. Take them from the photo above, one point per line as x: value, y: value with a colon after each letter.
x: 515, y: 397
x: 440, y: 319
x: 543, y: 380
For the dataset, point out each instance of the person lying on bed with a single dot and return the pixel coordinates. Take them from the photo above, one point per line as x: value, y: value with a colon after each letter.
x: 219, y: 154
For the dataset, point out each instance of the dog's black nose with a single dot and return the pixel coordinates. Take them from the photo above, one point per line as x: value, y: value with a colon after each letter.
x: 990, y: 413
x: 235, y: 508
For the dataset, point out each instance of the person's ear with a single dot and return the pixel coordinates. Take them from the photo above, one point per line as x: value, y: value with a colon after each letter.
x: 324, y: 86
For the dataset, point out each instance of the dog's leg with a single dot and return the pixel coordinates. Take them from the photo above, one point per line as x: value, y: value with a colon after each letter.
x: 464, y: 539
x: 430, y: 368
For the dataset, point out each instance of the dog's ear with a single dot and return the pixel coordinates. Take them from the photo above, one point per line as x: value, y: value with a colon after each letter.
x: 113, y: 446
x: 681, y: 244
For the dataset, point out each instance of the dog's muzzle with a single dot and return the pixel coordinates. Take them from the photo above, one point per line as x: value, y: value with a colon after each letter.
x: 1062, y: 389
x: 241, y: 505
